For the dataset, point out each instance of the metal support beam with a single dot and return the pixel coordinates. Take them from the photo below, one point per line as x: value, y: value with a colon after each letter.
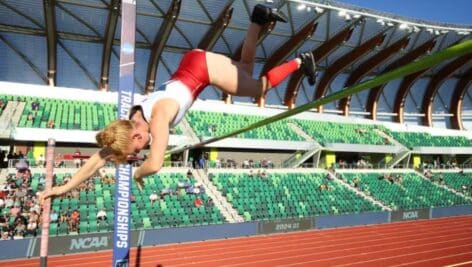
x: 404, y: 89
x: 436, y: 82
x: 265, y: 31
x: 286, y: 49
x: 374, y: 93
x: 112, y: 21
x: 216, y: 30
x: 159, y: 42
x: 367, y: 66
x: 51, y: 39
x: 319, y: 54
x: 457, y: 98
x: 345, y: 61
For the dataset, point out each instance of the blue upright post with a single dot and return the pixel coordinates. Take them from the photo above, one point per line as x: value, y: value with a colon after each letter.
x: 121, y: 234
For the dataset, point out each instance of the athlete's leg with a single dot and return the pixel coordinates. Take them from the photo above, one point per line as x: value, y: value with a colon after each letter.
x: 230, y: 76
x: 236, y: 77
x: 248, y: 52
x: 260, y: 16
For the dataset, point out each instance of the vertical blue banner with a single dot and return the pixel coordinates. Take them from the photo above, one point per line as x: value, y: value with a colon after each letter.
x: 121, y: 234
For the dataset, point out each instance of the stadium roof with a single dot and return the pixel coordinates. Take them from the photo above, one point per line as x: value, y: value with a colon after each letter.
x: 75, y: 43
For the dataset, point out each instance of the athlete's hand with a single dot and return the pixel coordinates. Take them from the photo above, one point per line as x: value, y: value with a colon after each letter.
x: 55, y: 191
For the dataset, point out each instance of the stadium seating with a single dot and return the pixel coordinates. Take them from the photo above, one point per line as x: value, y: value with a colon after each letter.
x: 285, y: 195
x: 67, y: 114
x: 413, y: 139
x: 210, y: 124
x: 174, y: 210
x: 346, y: 133
x: 411, y: 193
x: 459, y: 182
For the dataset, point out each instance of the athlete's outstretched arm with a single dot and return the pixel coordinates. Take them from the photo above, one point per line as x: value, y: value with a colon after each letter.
x: 95, y: 162
x: 163, y: 113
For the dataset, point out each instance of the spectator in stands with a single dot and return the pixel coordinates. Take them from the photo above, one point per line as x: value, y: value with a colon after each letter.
x: 210, y: 202
x: 201, y: 189
x: 189, y: 174
x: 262, y: 174
x: 35, y: 105
x: 16, y: 210
x: 361, y: 131
x: 20, y: 229
x: 53, y: 217
x: 77, y: 160
x: 9, y: 202
x: 441, y: 178
x: 245, y: 164
x: 109, y: 179
x: 322, y: 187
x: 90, y: 186
x: 51, y: 124
x: 66, y: 179
x: 59, y: 161
x: 41, y: 161
x: 64, y: 218
x: 464, y: 189
x: 190, y: 190
x: 330, y: 176
x: 398, y: 179
x: 33, y: 220
x: 201, y: 162
x: 164, y: 108
x: 217, y: 163
x: 101, y: 216
x: 153, y: 197
x: 74, y: 221
x: 264, y: 163
x: 356, y: 182
x: 198, y: 202
x: 5, y: 236
x: 30, y: 116
x: 251, y: 173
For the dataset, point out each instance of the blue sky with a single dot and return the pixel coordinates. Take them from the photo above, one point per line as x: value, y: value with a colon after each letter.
x: 450, y: 11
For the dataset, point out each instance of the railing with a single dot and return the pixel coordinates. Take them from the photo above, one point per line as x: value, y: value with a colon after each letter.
x: 380, y: 165
x: 77, y: 163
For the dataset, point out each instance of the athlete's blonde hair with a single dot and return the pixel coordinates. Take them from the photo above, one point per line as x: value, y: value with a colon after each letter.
x: 116, y: 136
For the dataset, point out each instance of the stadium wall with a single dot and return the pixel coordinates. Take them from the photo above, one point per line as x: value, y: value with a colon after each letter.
x: 103, y: 241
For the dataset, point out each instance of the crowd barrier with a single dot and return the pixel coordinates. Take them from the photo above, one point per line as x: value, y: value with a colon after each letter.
x: 59, y: 245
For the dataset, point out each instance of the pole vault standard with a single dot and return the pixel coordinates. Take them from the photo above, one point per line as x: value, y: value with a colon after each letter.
x: 121, y: 233
x: 424, y: 63
x: 43, y: 253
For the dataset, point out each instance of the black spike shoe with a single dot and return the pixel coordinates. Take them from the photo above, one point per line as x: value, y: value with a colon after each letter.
x: 262, y: 14
x: 309, y: 66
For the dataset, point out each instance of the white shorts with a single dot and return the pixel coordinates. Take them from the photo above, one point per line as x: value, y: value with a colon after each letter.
x: 172, y: 89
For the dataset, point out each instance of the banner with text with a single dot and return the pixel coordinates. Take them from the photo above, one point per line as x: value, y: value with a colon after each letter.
x: 285, y: 225
x: 408, y: 215
x: 82, y: 243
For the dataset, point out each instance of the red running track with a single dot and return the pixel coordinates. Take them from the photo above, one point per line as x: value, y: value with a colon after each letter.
x: 438, y: 242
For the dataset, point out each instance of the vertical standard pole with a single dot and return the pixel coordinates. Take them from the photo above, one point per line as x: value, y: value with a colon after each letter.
x: 43, y: 253
x: 121, y: 234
